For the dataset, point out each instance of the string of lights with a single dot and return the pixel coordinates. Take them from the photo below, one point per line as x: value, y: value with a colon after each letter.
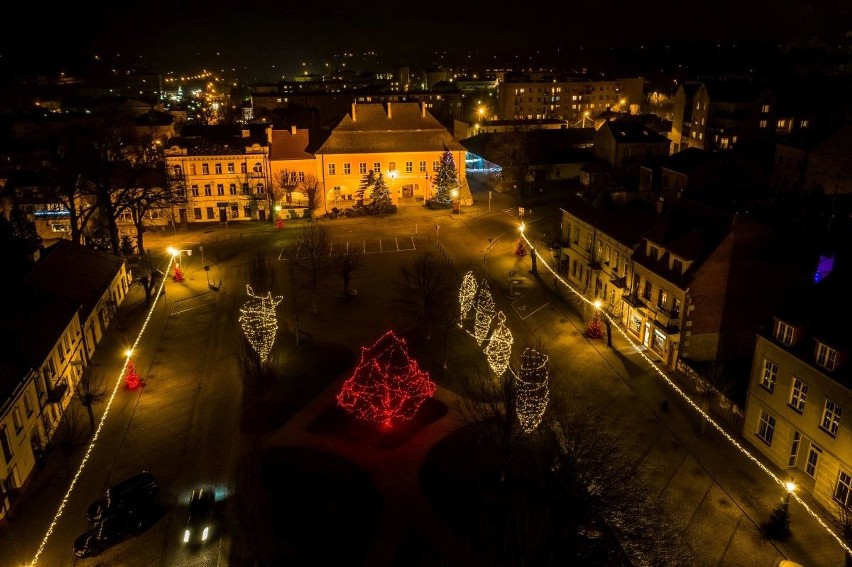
x: 499, y: 347
x: 466, y: 295
x: 118, y: 382
x: 533, y: 390
x: 484, y: 313
x: 387, y: 384
x: 696, y: 407
x: 259, y: 322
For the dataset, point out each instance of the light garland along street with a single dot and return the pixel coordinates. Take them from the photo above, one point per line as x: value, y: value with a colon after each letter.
x: 782, y: 483
x: 119, y: 380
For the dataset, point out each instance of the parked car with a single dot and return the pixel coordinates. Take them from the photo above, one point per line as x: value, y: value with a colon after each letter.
x: 110, y: 530
x: 199, y: 521
x: 138, y: 488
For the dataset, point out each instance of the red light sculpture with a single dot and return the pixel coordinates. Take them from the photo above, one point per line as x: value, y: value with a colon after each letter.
x: 131, y: 378
x: 387, y: 384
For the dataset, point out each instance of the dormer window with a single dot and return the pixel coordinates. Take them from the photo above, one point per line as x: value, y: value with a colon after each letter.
x: 784, y: 333
x: 653, y: 252
x: 826, y: 356
x: 677, y: 265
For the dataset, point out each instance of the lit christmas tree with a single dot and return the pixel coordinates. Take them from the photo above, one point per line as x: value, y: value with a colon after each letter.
x: 499, y: 348
x: 532, y: 388
x: 131, y: 378
x: 519, y: 248
x: 259, y: 322
x: 484, y: 313
x: 445, y: 181
x: 466, y: 295
x: 382, y: 201
x: 387, y: 384
x: 595, y: 330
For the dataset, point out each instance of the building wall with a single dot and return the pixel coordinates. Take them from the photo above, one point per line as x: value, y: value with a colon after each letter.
x: 415, y: 184
x: 305, y: 169
x: 681, y: 120
x: 567, y: 100
x: 234, y: 194
x: 22, y: 436
x: 700, y: 116
x: 835, y: 451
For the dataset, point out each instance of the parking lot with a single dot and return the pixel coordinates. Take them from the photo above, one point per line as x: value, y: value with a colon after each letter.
x: 367, y: 246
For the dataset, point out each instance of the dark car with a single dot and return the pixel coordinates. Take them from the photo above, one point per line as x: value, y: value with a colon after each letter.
x: 199, y: 522
x: 137, y: 489
x: 110, y: 530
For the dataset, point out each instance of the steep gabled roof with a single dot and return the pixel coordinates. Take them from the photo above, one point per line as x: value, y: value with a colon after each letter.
x: 624, y: 223
x: 387, y: 128
x: 633, y: 132
x: 76, y: 272
x: 288, y: 145
x: 30, y: 326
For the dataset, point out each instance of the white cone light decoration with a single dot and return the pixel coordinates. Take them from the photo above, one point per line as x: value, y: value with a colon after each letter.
x: 259, y: 321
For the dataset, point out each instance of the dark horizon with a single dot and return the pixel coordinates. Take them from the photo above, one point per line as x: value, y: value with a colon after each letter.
x: 184, y: 36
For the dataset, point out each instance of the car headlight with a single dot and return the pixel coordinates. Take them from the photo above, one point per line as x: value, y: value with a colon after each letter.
x: 205, y: 533
x: 186, y: 536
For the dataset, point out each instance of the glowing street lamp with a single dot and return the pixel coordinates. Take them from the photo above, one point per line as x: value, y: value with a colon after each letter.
x: 455, y: 195
x: 791, y: 487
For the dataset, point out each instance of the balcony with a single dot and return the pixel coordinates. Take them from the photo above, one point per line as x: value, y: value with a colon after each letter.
x: 668, y: 319
x: 632, y: 299
x: 57, y: 391
x: 594, y: 264
x: 620, y: 283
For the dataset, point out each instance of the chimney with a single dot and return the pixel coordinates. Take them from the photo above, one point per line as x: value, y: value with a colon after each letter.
x: 423, y: 110
x: 353, y: 113
x: 293, y: 129
x: 660, y: 203
x: 390, y: 116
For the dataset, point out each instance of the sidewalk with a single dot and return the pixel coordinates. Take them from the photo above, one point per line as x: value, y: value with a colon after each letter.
x: 713, y: 492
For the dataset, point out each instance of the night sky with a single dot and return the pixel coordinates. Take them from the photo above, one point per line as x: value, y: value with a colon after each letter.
x: 179, y: 35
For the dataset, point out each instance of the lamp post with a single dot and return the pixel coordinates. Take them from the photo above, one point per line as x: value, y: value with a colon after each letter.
x: 791, y: 487
x: 455, y: 195
x: 175, y: 252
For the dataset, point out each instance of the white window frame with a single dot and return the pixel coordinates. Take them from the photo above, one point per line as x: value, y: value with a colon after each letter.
x: 769, y: 376
x: 843, y: 489
x: 784, y: 333
x: 798, y: 395
x: 826, y: 356
x: 765, y: 427
x: 831, y: 414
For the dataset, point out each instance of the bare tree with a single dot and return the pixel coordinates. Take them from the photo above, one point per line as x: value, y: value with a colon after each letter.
x: 295, y: 284
x: 347, y: 261
x: 70, y: 434
x: 262, y: 274
x: 311, y: 191
x: 146, y: 276
x: 425, y: 293
x: 510, y: 151
x: 490, y: 403
x: 90, y: 391
x: 314, y: 251
x: 843, y: 519
x: 718, y: 381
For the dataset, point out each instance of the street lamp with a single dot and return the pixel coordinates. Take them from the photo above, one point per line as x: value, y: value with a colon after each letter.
x: 455, y: 195
x: 175, y: 252
x: 791, y: 487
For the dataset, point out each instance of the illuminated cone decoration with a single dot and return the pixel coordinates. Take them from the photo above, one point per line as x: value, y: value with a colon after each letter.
x: 259, y: 322
x: 533, y: 392
x: 484, y: 313
x: 595, y: 330
x: 467, y: 293
x: 131, y: 378
x: 387, y: 384
x: 499, y: 347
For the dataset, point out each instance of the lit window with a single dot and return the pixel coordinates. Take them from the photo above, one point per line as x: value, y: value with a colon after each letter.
x: 826, y: 356
x: 765, y: 108
x: 784, y: 333
x: 766, y: 427
x: 831, y: 417
x: 763, y: 123
x: 798, y: 394
x: 770, y: 373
